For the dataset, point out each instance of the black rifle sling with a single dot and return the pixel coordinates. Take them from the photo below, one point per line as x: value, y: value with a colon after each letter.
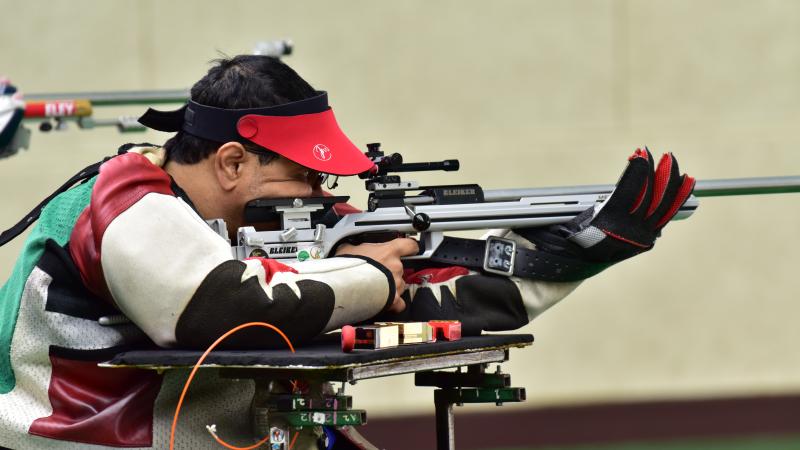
x: 32, y: 216
x: 531, y: 264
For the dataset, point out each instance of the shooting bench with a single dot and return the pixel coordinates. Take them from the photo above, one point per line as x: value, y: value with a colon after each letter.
x: 322, y: 361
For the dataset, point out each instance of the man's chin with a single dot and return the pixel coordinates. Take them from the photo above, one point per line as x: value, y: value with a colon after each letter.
x: 304, y: 190
x: 293, y: 190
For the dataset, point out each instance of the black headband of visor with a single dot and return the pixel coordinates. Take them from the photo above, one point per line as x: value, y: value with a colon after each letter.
x: 219, y: 124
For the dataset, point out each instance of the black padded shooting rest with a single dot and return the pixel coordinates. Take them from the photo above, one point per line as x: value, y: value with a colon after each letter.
x: 323, y: 360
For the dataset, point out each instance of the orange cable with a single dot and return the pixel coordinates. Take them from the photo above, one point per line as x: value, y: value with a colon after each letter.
x: 197, y: 366
x: 226, y: 445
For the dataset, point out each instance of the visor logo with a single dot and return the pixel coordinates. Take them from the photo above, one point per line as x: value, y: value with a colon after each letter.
x: 322, y: 152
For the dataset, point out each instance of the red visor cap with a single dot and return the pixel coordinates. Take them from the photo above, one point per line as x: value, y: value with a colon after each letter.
x: 311, y: 140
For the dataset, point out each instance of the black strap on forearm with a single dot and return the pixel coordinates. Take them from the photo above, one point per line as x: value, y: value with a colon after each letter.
x: 32, y: 216
x: 530, y: 264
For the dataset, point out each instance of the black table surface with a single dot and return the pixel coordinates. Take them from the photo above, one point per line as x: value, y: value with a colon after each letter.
x: 324, y: 352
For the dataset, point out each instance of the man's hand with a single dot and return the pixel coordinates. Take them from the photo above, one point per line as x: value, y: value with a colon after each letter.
x: 388, y: 254
x: 629, y: 221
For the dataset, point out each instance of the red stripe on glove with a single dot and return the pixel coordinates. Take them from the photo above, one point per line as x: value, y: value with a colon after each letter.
x: 639, y: 199
x: 683, y: 193
x: 663, y: 173
x: 639, y: 153
x: 623, y: 239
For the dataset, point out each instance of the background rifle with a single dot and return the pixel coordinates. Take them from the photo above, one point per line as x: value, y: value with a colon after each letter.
x: 54, y: 111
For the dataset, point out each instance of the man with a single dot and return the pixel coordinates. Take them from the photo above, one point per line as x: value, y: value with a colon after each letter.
x: 126, y: 258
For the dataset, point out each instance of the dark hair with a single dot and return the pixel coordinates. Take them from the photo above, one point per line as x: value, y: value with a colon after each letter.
x: 244, y: 81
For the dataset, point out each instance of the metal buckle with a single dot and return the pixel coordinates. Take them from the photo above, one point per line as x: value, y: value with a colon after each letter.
x: 499, y: 256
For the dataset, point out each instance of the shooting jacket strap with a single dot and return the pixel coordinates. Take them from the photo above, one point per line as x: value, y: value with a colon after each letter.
x: 88, y: 172
x: 530, y: 264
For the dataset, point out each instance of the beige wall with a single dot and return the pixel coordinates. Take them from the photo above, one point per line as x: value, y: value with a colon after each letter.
x: 524, y: 94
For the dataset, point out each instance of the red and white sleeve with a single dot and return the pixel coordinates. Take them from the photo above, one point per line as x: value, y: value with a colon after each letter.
x: 150, y: 253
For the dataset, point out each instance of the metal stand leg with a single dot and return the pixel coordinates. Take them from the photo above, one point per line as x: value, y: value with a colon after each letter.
x: 282, y: 413
x: 445, y: 430
x: 457, y: 388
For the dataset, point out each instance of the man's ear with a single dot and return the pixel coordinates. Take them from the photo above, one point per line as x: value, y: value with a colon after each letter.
x: 228, y: 164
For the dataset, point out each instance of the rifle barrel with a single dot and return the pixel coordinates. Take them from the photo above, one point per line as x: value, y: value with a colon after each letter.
x: 119, y: 98
x: 747, y: 186
x: 703, y: 188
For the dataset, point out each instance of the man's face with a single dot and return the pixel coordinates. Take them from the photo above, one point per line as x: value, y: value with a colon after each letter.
x: 280, y: 178
x: 240, y: 179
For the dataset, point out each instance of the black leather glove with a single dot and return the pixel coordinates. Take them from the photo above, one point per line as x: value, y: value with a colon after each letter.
x: 628, y: 222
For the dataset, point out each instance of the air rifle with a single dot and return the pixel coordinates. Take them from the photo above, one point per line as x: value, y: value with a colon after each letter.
x: 55, y: 111
x: 398, y: 208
